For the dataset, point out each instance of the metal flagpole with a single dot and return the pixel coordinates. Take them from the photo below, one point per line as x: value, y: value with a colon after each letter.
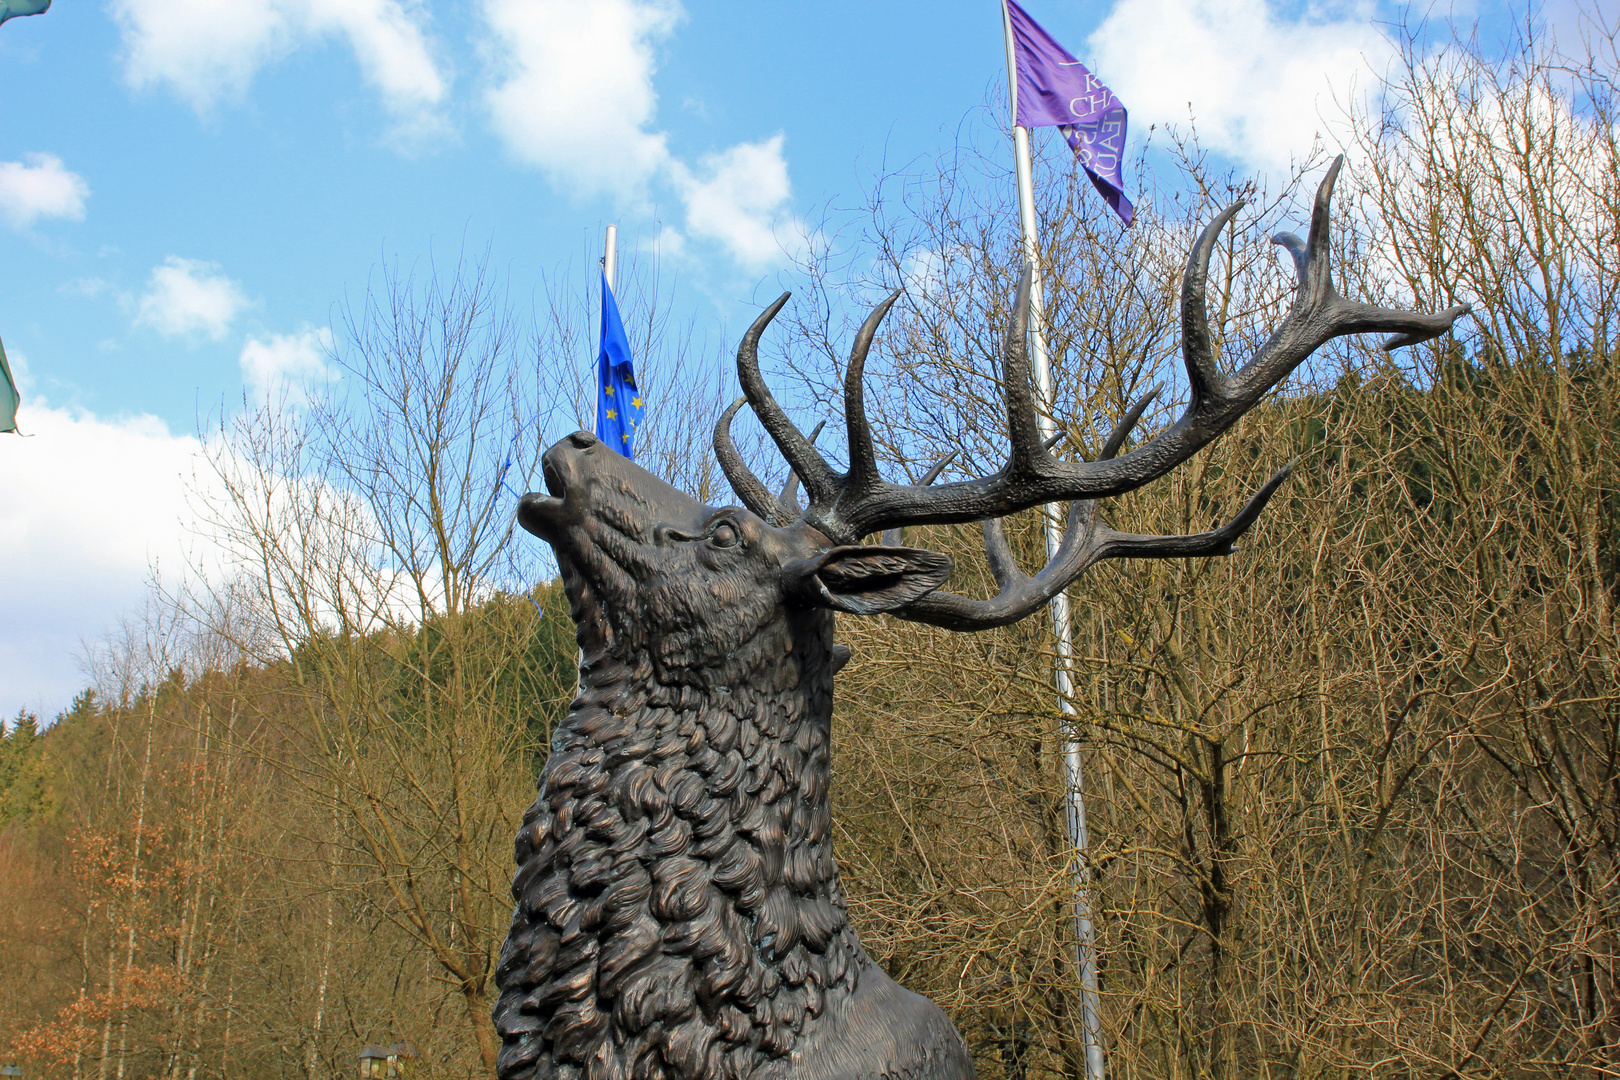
x: 610, y: 257
x: 1062, y: 626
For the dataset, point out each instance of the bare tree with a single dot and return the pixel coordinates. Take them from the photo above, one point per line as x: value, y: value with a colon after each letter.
x: 368, y: 534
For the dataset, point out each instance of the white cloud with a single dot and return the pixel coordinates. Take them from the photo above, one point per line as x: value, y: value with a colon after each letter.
x: 1258, y: 82
x: 388, y: 40
x: 204, y: 49
x: 925, y: 271
x: 574, y: 94
x: 1573, y: 24
x: 86, y: 504
x: 210, y: 50
x: 669, y: 243
x: 186, y: 295
x: 280, y: 368
x: 741, y: 198
x: 42, y: 188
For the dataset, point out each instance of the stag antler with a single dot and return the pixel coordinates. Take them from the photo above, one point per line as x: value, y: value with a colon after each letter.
x: 849, y: 506
x: 823, y: 484
x: 780, y: 509
x: 1087, y: 540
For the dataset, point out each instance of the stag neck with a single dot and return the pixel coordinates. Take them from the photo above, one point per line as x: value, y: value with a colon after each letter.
x: 718, y: 799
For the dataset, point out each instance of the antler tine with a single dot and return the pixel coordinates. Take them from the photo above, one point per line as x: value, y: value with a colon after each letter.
x: 817, y: 476
x: 1126, y: 425
x: 1019, y: 593
x: 997, y: 552
x: 1023, y: 429
x: 934, y: 470
x: 1316, y: 283
x: 1086, y: 542
x: 1313, y: 260
x: 863, y: 471
x: 753, y: 493
x: 1437, y: 325
x: 789, y: 497
x: 1313, y: 263
x: 1197, y: 350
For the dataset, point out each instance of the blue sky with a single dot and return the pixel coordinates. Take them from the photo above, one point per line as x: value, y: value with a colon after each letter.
x: 189, y: 188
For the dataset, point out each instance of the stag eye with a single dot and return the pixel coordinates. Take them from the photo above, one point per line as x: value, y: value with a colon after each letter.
x: 724, y: 536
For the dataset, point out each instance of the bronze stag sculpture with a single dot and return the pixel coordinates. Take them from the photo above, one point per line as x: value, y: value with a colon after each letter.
x: 679, y: 914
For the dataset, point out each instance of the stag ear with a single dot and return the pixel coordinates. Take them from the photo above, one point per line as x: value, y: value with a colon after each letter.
x: 867, y: 580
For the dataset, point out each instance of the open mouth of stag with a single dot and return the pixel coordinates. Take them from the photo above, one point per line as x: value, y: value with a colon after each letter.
x: 539, y: 513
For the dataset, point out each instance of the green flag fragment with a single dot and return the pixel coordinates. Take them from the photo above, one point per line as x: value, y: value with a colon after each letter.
x: 9, y: 398
x: 10, y: 9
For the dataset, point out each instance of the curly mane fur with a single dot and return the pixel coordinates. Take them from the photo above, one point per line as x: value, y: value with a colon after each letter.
x: 677, y: 864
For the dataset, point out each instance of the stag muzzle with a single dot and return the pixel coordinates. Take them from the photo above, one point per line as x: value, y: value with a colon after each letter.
x: 586, y: 479
x: 541, y: 514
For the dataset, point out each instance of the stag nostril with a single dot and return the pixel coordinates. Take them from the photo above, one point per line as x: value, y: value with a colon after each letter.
x: 582, y: 440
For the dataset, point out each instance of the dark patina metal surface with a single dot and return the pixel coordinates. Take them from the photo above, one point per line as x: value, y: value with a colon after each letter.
x: 679, y: 914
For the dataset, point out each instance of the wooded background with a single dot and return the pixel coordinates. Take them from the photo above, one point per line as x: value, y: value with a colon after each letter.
x: 1354, y: 791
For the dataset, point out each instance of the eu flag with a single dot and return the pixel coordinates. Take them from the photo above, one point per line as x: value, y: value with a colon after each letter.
x: 618, y: 402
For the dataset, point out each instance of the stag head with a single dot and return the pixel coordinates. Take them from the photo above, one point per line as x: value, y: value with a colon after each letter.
x: 645, y: 563
x: 647, y: 568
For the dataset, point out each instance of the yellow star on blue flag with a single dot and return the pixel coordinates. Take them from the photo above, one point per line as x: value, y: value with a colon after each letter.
x: 616, y: 422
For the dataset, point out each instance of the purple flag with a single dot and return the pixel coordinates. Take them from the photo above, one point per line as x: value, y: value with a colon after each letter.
x: 1056, y: 90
